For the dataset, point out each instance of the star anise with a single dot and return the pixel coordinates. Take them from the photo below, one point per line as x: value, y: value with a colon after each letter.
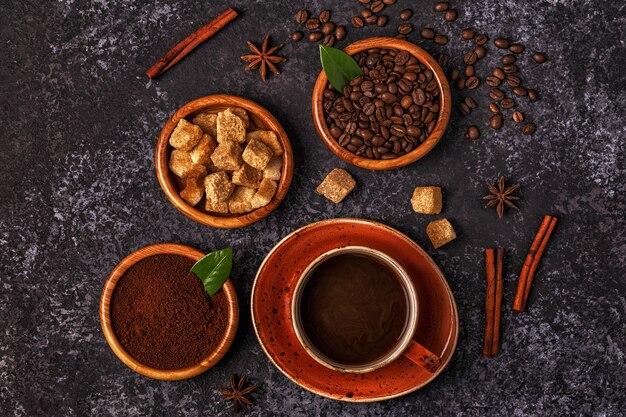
x: 500, y: 196
x: 263, y: 58
x: 237, y: 392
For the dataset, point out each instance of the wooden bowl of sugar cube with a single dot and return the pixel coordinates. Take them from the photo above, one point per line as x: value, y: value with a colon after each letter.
x: 224, y: 161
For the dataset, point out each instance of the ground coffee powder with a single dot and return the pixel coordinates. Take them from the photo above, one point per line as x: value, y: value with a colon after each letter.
x: 162, y: 315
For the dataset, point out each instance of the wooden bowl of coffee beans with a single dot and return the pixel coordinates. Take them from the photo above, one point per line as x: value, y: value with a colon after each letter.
x: 393, y: 114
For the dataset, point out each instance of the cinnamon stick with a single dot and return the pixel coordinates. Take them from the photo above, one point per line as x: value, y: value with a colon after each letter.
x: 190, y: 43
x: 498, y: 305
x: 536, y: 259
x: 518, y: 302
x: 490, y: 299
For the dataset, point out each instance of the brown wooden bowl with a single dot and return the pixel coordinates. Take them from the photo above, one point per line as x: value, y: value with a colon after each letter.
x: 124, y: 356
x: 260, y: 117
x: 417, y: 153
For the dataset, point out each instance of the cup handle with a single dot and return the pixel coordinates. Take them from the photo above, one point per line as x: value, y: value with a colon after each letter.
x: 422, y: 357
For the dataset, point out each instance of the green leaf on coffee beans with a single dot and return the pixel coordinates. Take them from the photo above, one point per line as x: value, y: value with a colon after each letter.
x: 340, y: 68
x: 213, y: 269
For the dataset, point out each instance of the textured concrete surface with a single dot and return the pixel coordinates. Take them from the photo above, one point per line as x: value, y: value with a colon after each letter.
x: 78, y: 192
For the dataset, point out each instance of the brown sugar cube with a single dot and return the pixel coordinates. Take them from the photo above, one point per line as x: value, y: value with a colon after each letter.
x: 257, y: 154
x: 180, y: 163
x: 264, y: 194
x: 241, y: 200
x: 227, y: 156
x: 194, y: 185
x: 426, y: 200
x: 201, y: 154
x: 208, y: 123
x: 337, y: 185
x: 230, y: 127
x: 185, y: 135
x: 218, y: 187
x: 273, y: 169
x: 242, y: 114
x: 216, y: 206
x: 247, y: 176
x: 440, y: 232
x: 269, y: 138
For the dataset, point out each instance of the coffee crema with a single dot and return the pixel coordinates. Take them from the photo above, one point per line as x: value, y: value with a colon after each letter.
x: 354, y: 308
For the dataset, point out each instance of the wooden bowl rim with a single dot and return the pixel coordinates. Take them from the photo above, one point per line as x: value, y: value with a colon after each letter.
x: 162, y: 152
x: 114, y: 343
x: 417, y: 153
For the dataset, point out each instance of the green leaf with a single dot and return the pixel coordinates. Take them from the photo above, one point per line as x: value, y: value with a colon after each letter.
x: 340, y: 68
x: 213, y: 269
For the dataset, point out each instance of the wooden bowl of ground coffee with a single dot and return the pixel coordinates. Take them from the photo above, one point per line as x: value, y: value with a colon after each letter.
x: 158, y: 319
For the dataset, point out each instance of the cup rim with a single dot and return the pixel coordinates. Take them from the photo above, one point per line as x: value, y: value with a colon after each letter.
x: 400, y: 346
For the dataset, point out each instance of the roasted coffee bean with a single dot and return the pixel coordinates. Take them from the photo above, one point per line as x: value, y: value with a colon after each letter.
x: 400, y: 36
x: 406, y: 14
x: 357, y: 22
x: 450, y: 15
x: 467, y: 34
x: 325, y: 16
x: 528, y: 129
x: 492, y: 81
x: 539, y: 58
x: 480, y: 51
x: 328, y: 28
x: 459, y: 84
x: 442, y: 6
x: 405, y: 28
x: 498, y: 73
x: 402, y: 58
x: 513, y: 80
x: 463, y: 109
x: 372, y: 20
x: 508, y: 59
x: 510, y: 69
x: 470, y: 103
x: 364, y: 1
x: 470, y: 58
x: 335, y: 131
x: 377, y: 6
x: 427, y: 33
x: 442, y: 59
x: 312, y: 23
x: 517, y: 48
x: 388, y: 97
x: 441, y: 39
x: 481, y: 39
x: 518, y: 117
x: 501, y: 43
x: 398, y: 130
x: 329, y: 40
x: 532, y: 95
x: 496, y: 121
x: 406, y: 102
x: 496, y: 94
x: 494, y: 108
x: 314, y: 36
x: 472, y: 133
x: 454, y: 74
x: 472, y: 82
x: 520, y: 91
x: 389, y: 2
x: 296, y: 36
x: 419, y: 96
x: 507, y: 103
x: 340, y: 32
x: 381, y: 21
x: 365, y: 13
x: 469, y: 70
x: 302, y: 16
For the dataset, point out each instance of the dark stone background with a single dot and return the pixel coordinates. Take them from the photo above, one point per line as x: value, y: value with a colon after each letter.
x: 78, y: 192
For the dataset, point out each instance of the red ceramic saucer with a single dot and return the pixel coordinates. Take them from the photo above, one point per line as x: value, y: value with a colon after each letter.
x: 272, y: 293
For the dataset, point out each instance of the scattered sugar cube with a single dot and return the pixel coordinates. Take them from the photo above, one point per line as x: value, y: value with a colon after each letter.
x: 241, y: 200
x: 264, y: 194
x: 201, y: 154
x: 218, y: 187
x: 242, y: 114
x: 227, y: 156
x: 180, y: 163
x: 194, y: 187
x: 216, y: 206
x: 273, y: 169
x: 440, y: 232
x: 247, y: 176
x: 337, y: 185
x: 208, y: 123
x: 426, y: 200
x: 257, y: 154
x: 230, y: 127
x: 269, y: 138
x: 185, y: 135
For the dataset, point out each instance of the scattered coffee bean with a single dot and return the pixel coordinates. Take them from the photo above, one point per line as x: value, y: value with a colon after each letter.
x: 463, y: 109
x: 381, y: 21
x: 441, y: 39
x: 520, y: 91
x: 480, y: 51
x: 389, y: 2
x: 510, y: 69
x: 450, y: 15
x: 532, y: 95
x: 496, y: 94
x: 469, y: 70
x: 472, y: 82
x: 315, y: 36
x: 325, y: 16
x: 405, y: 28
x: 501, y: 43
x: 459, y: 84
x: 528, y: 129
x: 364, y: 1
x: 427, y: 33
x: 539, y: 58
x: 312, y: 24
x: 296, y: 36
x: 302, y: 16
x: 494, y: 108
x: 365, y: 13
x: 513, y: 80
x: 328, y: 28
x: 441, y: 6
x: 442, y: 59
x: 470, y: 102
x: 400, y: 36
x: 340, y: 32
x: 508, y: 59
x: 507, y: 103
x: 518, y: 117
x: 470, y: 58
x: 498, y: 73
x: 472, y: 133
x: 517, y: 48
x: 406, y: 14
x: 372, y: 19
x: 377, y: 6
x: 481, y: 39
x: 467, y: 34
x: 357, y: 22
x: 329, y: 40
x: 492, y: 81
x: 454, y: 74
x: 496, y: 121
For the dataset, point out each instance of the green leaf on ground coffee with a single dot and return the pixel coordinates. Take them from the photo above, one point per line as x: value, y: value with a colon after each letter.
x: 213, y: 269
x: 340, y: 68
